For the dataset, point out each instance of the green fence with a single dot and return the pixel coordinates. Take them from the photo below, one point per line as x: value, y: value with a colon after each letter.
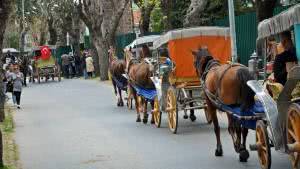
x: 122, y: 41
x: 62, y: 50
x: 246, y: 33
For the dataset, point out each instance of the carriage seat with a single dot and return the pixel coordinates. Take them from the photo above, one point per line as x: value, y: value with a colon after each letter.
x: 248, y: 118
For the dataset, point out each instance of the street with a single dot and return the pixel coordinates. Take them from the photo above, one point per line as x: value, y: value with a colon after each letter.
x: 75, y: 124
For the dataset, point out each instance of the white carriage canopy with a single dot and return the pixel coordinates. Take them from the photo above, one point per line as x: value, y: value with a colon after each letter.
x: 279, y: 23
x: 142, y: 40
x: 190, y: 32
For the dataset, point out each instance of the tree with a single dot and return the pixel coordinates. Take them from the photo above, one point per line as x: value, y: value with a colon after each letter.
x: 156, y: 21
x: 146, y: 8
x: 5, y: 10
x: 102, y: 18
x: 265, y: 9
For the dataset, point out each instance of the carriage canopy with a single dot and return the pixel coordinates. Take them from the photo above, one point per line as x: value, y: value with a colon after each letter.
x: 182, y: 42
x: 279, y: 23
x: 142, y: 40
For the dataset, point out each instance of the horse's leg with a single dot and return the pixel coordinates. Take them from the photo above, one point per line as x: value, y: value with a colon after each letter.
x: 121, y: 103
x: 192, y: 111
x: 134, y: 95
x: 116, y: 92
x: 213, y: 111
x: 145, y: 103
x: 235, y: 132
x: 152, y: 108
x: 244, y: 154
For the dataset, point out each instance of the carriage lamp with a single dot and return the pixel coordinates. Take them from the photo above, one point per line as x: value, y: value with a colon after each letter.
x: 253, y: 65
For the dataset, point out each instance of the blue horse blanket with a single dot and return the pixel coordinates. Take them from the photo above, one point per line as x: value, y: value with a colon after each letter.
x: 121, y: 82
x: 256, y: 108
x: 149, y: 94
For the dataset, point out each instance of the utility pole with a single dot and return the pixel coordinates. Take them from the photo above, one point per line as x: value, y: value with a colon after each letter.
x: 232, y: 30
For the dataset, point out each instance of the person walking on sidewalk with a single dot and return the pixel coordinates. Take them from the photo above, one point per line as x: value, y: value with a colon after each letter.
x: 90, y: 66
x: 18, y: 79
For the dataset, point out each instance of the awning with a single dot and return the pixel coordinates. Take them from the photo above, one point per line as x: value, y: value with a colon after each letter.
x: 279, y: 23
x: 190, y: 32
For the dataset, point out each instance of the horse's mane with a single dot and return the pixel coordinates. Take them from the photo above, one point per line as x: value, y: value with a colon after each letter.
x: 206, y: 62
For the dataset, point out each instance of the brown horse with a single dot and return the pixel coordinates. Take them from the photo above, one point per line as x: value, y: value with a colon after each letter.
x: 225, y: 84
x: 139, y: 74
x: 117, y: 69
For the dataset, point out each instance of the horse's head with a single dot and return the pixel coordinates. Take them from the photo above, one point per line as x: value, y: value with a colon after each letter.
x: 201, y: 58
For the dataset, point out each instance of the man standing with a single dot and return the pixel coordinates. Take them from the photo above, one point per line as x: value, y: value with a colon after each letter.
x: 65, y: 64
x: 286, y: 59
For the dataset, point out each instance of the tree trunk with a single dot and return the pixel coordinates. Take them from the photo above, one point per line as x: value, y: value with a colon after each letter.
x: 42, y: 36
x: 265, y: 9
x: 5, y: 10
x: 145, y: 20
x: 52, y: 32
x: 96, y: 60
x: 194, y: 11
x: 102, y: 49
x: 167, y: 6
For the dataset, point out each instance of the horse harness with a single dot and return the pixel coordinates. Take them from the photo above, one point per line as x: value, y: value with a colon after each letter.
x: 212, y: 66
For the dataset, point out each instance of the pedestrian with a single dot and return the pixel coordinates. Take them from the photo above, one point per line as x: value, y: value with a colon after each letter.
x: 77, y: 64
x: 72, y: 65
x: 65, y: 64
x: 83, y: 65
x: 18, y: 79
x: 90, y: 66
x: 9, y: 82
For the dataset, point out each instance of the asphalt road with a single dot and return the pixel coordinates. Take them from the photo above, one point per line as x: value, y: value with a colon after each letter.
x: 75, y: 124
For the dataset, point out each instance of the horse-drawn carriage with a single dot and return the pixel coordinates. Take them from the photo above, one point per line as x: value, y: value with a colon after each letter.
x: 133, y: 51
x: 175, y: 78
x: 280, y: 127
x: 45, y: 65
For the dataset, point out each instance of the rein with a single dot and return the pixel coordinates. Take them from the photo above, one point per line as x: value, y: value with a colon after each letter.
x: 209, y: 66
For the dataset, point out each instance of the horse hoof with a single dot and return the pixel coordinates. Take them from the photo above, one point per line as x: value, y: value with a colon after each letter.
x: 152, y: 121
x: 219, y: 152
x: 145, y: 121
x: 185, y: 116
x: 193, y: 118
x: 138, y: 120
x: 244, y: 155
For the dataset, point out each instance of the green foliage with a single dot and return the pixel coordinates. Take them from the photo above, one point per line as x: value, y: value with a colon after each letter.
x: 8, y: 125
x: 178, y: 13
x: 156, y: 22
x: 13, y: 40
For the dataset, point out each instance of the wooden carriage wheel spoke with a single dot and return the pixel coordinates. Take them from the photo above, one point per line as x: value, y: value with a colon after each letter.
x: 294, y: 118
x: 297, y: 156
x: 292, y: 134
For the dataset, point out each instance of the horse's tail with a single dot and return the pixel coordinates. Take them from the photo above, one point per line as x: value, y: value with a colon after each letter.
x: 246, y: 93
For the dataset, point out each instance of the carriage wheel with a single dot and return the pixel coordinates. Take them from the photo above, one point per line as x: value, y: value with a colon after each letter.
x: 207, y: 115
x: 172, y: 110
x: 293, y: 134
x: 263, y: 145
x: 156, y: 113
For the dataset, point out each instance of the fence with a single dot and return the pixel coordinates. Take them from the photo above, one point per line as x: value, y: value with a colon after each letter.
x: 246, y: 33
